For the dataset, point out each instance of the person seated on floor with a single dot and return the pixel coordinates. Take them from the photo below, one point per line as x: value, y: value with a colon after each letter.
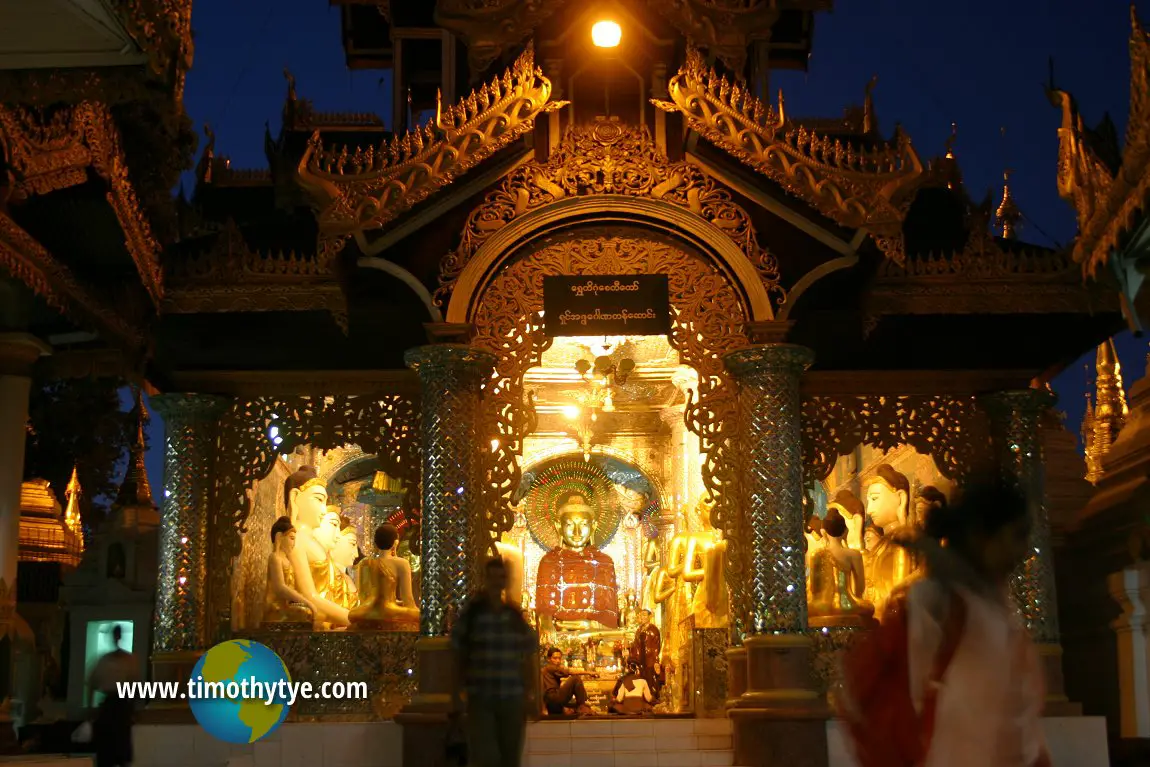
x: 632, y: 693
x: 563, y: 687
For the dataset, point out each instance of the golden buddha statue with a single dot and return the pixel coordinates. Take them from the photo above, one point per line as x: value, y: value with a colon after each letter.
x: 283, y: 604
x: 305, y: 497
x: 887, y: 504
x: 341, y: 588
x: 385, y: 599
x: 710, y: 604
x: 837, y: 579
x: 575, y: 584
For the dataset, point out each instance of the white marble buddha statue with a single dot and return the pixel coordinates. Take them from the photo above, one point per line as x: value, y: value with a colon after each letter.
x: 887, y: 505
x: 305, y: 497
x: 386, y: 602
x: 837, y: 579
x: 576, y: 585
x: 283, y: 603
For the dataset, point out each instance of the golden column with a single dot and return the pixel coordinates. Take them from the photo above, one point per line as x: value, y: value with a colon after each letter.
x: 780, y: 702
x: 18, y: 353
x: 1015, y: 420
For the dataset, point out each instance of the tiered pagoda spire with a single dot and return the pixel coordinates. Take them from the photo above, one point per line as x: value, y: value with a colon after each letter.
x: 136, y: 492
x: 1008, y: 214
x: 72, y: 510
x: 1106, y: 414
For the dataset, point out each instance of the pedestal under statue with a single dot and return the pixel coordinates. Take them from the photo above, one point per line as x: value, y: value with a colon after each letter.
x: 386, y: 602
x: 576, y: 585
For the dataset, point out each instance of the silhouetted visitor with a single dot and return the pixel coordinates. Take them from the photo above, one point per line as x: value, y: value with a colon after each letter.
x: 112, y: 725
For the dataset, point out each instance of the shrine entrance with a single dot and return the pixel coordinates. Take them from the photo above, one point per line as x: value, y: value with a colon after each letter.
x: 639, y: 429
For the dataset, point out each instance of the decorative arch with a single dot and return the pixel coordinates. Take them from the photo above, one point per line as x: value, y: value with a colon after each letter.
x: 386, y: 425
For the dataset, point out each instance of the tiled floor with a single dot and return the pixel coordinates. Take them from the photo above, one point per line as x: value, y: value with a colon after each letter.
x: 630, y: 743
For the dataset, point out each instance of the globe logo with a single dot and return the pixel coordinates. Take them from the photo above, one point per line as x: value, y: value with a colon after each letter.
x: 239, y: 691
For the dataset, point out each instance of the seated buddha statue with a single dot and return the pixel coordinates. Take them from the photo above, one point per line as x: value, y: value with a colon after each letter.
x: 385, y: 599
x: 854, y: 514
x: 887, y: 504
x: 283, y: 604
x: 305, y: 498
x: 344, y: 550
x: 575, y: 584
x: 837, y: 579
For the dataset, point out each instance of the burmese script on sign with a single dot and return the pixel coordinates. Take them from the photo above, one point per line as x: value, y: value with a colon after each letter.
x: 606, y: 305
x: 600, y: 316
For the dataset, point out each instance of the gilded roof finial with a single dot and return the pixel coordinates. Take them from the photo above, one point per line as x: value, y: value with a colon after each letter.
x: 291, y: 94
x: 1105, y: 420
x: 950, y: 140
x: 72, y: 511
x: 870, y: 118
x: 207, y: 160
x: 1008, y: 214
x: 135, y: 490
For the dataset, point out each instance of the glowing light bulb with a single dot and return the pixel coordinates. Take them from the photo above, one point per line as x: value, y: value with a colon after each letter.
x: 494, y: 445
x: 571, y: 411
x: 606, y: 34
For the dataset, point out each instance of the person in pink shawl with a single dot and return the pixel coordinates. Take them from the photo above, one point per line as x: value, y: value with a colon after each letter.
x: 951, y: 677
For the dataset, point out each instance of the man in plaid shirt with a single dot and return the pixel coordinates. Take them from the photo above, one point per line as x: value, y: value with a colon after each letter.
x: 494, y: 651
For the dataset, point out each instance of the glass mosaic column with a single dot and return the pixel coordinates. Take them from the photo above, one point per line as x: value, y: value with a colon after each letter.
x: 1017, y: 436
x: 451, y: 378
x: 771, y: 483
x: 190, y: 422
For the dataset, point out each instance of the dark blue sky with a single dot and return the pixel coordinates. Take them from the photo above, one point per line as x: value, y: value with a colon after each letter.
x: 979, y: 64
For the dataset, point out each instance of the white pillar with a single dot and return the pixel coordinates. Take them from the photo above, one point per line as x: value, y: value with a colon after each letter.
x: 18, y: 352
x: 1130, y: 588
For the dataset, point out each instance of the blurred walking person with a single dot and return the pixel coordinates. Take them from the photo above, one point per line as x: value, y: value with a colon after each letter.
x: 495, y: 656
x: 951, y: 678
x: 112, y: 725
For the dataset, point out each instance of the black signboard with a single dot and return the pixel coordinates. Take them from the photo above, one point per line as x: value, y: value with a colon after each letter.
x: 607, y: 305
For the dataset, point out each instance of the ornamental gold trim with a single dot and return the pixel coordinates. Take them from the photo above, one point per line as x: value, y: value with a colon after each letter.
x: 356, y: 189
x: 52, y: 149
x: 1108, y: 200
x: 869, y: 189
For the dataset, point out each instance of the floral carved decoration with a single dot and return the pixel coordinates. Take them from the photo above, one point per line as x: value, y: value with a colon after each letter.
x: 385, y: 425
x: 951, y: 430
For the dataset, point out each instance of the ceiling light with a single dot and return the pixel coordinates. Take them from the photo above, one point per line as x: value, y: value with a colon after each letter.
x: 606, y: 34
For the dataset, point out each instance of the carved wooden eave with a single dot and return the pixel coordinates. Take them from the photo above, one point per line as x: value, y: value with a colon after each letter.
x: 301, y: 115
x: 231, y: 277
x: 361, y: 189
x: 163, y: 30
x: 867, y: 189
x: 984, y: 278
x: 27, y: 260
x: 492, y: 27
x: 1109, y: 205
x: 51, y: 150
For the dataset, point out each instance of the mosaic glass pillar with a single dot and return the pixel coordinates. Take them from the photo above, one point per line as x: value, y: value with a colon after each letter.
x: 451, y: 378
x: 1017, y: 436
x: 190, y: 422
x: 771, y: 482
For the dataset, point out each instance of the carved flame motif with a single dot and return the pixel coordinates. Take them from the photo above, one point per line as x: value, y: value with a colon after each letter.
x: 489, y: 27
x: 854, y: 187
x: 366, y: 188
x: 726, y: 28
x: 708, y: 323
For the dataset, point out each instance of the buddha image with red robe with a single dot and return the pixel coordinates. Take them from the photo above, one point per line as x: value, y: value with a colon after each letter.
x: 576, y: 585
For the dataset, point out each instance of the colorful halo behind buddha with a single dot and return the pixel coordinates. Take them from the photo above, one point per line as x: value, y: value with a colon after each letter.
x: 563, y: 477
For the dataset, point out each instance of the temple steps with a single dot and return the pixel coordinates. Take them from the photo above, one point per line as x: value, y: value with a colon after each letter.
x: 630, y: 743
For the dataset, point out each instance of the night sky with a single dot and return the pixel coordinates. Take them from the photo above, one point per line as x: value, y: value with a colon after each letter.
x: 979, y: 64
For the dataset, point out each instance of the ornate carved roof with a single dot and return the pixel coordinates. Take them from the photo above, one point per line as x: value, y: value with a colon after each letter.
x: 869, y: 187
x: 363, y: 188
x: 1108, y: 195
